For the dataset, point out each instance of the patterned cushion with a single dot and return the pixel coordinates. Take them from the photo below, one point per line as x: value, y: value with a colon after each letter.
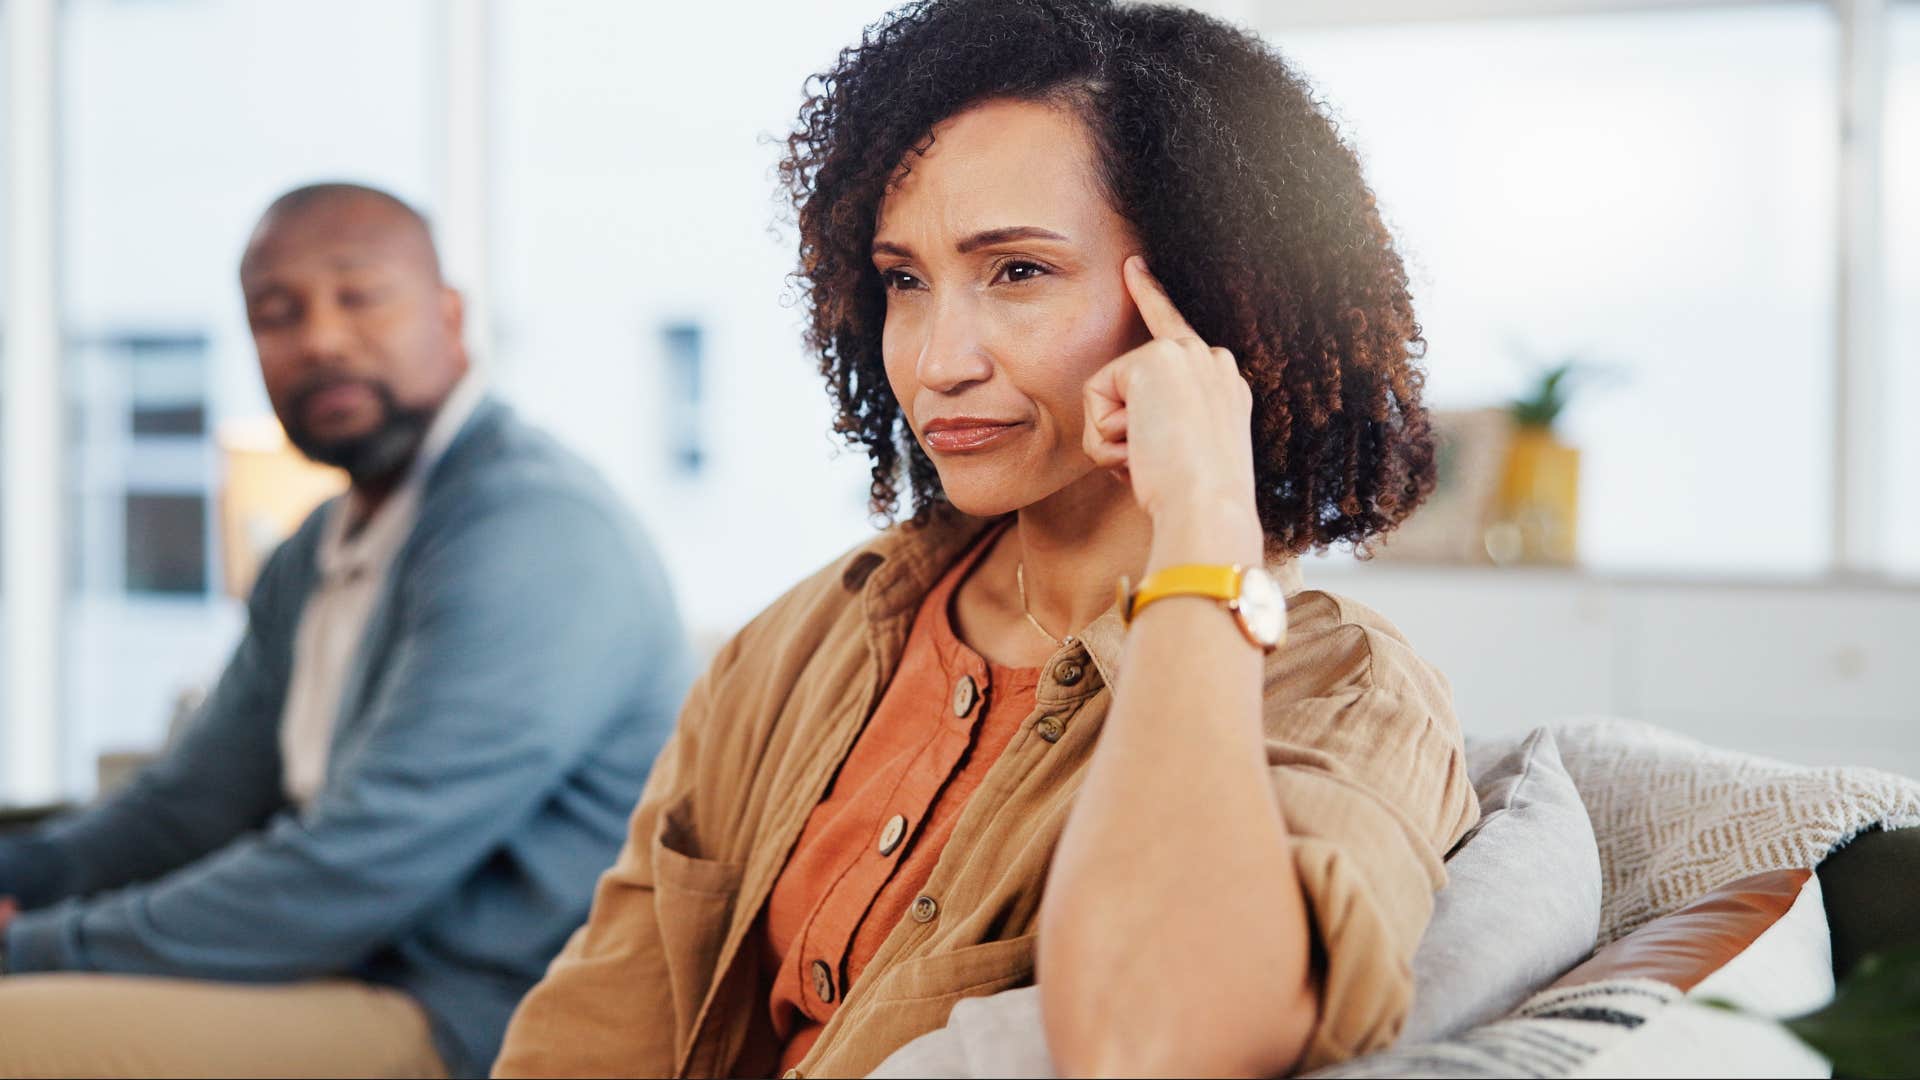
x: 1676, y: 817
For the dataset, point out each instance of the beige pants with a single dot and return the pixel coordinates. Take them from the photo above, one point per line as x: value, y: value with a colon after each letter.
x: 123, y: 1025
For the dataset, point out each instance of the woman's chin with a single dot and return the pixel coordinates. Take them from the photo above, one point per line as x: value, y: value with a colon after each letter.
x: 985, y: 503
x: 990, y: 492
x: 987, y: 493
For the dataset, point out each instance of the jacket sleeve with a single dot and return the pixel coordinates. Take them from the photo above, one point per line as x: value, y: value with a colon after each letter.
x: 608, y: 1003
x: 220, y: 780
x: 521, y: 624
x: 1371, y: 779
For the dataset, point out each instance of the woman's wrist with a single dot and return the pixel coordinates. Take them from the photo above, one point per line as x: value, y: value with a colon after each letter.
x: 1207, y: 528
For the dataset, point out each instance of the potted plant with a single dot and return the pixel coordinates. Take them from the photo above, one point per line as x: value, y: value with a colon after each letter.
x: 1537, y: 513
x: 1871, y: 1028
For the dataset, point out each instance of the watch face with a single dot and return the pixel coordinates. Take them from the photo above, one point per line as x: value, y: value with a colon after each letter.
x: 1262, y: 607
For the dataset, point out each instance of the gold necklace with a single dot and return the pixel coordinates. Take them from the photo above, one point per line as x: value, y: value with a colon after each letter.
x: 1020, y: 578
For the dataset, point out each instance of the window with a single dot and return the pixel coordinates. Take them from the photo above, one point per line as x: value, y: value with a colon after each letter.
x: 1653, y: 192
x: 166, y: 543
x: 140, y: 458
x: 682, y: 421
x: 167, y: 379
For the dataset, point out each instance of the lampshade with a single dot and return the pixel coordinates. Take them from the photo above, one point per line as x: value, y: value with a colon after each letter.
x: 269, y: 490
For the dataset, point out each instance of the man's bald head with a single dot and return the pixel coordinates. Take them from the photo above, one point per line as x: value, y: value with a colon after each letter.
x: 341, y: 209
x: 358, y: 335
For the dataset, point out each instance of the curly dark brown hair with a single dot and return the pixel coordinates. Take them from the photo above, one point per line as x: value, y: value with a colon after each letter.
x: 1252, y: 212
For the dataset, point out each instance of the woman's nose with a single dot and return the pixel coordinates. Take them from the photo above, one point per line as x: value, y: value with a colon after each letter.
x: 954, y: 353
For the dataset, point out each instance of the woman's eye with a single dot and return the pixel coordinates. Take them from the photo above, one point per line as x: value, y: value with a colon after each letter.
x: 1020, y: 270
x: 899, y: 280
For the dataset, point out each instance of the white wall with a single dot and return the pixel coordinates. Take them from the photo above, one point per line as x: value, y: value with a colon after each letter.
x: 1818, y: 674
x: 636, y: 152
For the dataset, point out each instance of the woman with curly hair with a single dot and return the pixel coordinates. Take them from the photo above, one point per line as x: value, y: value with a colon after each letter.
x: 1103, y: 294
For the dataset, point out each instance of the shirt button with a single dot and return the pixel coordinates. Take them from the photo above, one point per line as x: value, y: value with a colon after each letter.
x: 925, y: 908
x: 823, y: 981
x: 894, y: 832
x: 964, y: 695
x: 1068, y: 672
x: 1050, y: 728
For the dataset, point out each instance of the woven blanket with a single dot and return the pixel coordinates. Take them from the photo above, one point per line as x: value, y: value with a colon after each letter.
x: 1676, y: 818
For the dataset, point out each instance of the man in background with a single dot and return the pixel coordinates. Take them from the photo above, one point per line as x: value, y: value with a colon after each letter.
x: 392, y: 810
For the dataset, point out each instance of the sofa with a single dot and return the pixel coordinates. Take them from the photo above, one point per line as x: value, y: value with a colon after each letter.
x: 1632, y: 903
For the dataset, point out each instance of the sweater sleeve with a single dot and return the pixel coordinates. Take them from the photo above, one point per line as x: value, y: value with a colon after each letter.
x: 519, y: 627
x: 218, y: 781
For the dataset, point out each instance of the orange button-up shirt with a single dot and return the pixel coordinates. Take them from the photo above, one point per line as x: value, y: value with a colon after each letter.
x: 870, y: 846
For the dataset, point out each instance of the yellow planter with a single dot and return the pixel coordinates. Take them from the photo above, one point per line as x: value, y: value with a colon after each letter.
x: 1537, y: 518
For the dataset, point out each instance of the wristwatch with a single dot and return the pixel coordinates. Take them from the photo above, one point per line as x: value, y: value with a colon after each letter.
x: 1253, y: 596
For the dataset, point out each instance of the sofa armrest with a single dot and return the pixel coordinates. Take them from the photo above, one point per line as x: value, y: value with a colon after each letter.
x: 1869, y: 886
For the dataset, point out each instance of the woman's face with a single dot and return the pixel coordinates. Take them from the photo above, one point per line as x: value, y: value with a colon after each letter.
x: 1002, y: 261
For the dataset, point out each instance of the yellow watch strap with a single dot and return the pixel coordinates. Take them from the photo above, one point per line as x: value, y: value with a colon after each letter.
x: 1194, y: 579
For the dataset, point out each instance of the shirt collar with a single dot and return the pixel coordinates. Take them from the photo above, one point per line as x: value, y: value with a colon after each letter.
x: 380, y: 538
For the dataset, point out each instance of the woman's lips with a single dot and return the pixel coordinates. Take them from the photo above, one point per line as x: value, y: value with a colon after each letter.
x: 964, y: 435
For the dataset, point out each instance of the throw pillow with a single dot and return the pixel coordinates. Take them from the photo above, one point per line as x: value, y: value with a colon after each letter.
x: 1522, y: 899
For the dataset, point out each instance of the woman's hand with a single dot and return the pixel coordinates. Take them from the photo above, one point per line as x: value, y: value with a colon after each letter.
x: 1174, y: 416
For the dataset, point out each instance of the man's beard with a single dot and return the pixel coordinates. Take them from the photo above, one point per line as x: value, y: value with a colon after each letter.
x: 376, y: 455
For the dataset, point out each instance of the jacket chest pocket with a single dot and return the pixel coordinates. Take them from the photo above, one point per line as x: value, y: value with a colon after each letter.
x: 693, y: 901
x: 964, y: 972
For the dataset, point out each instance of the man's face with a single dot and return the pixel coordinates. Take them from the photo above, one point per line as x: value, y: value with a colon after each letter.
x: 359, y: 340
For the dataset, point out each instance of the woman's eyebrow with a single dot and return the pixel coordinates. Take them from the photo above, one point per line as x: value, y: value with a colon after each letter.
x: 1011, y: 233
x: 984, y: 238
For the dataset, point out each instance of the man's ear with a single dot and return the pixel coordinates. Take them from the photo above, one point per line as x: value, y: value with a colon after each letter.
x: 453, y: 312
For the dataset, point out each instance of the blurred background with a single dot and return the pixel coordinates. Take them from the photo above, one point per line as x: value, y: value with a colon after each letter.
x: 1667, y: 255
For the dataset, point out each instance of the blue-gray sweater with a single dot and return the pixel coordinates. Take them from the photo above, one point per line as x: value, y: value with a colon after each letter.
x: 514, y: 684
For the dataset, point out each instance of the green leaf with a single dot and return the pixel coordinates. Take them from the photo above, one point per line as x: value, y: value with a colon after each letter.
x: 1871, y: 1028
x: 1549, y: 396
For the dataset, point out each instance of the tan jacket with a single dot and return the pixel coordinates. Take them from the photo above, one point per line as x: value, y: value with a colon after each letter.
x: 665, y: 977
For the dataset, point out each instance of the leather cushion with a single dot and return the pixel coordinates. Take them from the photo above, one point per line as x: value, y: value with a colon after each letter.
x: 1683, y: 948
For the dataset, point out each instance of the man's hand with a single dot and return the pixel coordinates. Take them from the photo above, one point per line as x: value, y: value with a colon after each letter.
x: 9, y: 907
